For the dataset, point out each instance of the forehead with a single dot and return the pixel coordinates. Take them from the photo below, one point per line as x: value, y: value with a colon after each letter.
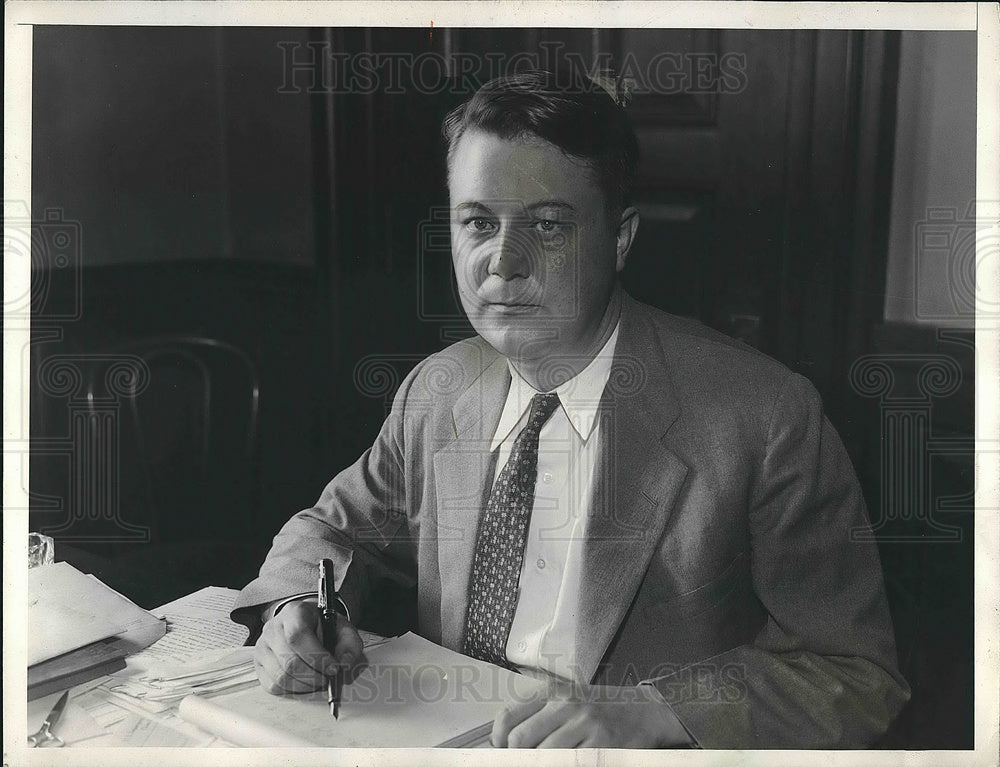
x: 486, y: 167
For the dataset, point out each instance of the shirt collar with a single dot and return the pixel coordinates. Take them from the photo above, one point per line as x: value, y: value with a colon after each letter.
x: 579, y: 397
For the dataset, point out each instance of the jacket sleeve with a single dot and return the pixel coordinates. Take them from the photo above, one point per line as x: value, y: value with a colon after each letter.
x: 359, y: 522
x: 822, y: 671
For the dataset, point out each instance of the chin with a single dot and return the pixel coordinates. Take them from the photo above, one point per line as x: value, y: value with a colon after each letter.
x: 516, y: 342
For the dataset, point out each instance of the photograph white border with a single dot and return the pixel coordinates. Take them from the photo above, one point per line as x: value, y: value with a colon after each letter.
x: 983, y: 17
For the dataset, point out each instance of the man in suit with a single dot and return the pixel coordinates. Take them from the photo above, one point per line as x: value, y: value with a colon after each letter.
x: 592, y: 490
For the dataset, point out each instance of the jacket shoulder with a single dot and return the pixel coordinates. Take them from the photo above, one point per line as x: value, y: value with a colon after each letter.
x: 701, y: 358
x: 443, y: 376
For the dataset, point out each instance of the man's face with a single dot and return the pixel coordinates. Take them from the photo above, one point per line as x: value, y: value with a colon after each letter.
x: 533, y: 244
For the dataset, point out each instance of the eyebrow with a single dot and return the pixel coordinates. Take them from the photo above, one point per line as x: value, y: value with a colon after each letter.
x: 471, y: 206
x: 551, y: 204
x: 463, y: 206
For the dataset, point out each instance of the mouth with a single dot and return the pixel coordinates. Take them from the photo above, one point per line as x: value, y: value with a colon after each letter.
x: 510, y: 307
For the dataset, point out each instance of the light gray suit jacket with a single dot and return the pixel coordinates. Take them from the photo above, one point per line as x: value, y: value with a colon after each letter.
x: 719, y: 562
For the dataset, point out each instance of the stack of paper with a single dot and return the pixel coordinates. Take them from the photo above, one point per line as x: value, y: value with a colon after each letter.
x: 202, y: 654
x: 164, y: 685
x: 201, y: 657
x: 91, y: 661
x: 196, y: 624
x: 201, y: 651
x: 79, y: 628
x: 112, y: 724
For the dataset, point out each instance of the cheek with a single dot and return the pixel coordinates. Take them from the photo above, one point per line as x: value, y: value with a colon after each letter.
x: 466, y: 258
x: 561, y: 257
x: 576, y: 282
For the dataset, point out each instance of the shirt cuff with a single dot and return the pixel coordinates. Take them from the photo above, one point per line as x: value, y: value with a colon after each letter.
x: 275, y: 607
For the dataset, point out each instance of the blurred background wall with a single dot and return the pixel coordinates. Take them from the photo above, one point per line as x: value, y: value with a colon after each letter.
x: 935, y: 169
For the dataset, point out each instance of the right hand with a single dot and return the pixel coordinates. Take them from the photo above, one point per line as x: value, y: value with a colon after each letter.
x: 290, y: 657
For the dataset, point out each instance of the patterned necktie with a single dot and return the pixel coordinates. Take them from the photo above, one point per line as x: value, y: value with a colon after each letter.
x: 496, y: 566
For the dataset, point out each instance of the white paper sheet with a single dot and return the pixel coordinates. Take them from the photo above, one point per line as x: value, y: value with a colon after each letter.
x: 67, y: 610
x: 414, y: 693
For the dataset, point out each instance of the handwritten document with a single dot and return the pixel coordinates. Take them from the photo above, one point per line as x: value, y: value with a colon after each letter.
x: 196, y: 624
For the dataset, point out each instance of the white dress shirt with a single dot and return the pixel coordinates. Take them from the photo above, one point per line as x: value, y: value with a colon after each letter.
x: 543, y: 632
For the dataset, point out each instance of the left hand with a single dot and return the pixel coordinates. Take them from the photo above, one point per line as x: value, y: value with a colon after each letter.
x: 619, y: 717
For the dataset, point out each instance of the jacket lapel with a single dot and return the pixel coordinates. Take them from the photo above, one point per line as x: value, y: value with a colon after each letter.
x: 634, y: 493
x: 462, y: 472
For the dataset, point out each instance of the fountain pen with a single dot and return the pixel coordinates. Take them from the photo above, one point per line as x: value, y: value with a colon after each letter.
x: 328, y: 620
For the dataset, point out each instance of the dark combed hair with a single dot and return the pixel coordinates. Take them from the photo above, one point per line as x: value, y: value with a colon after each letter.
x: 565, y: 108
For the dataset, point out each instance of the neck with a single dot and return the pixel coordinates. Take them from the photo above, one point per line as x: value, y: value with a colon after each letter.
x: 554, y: 369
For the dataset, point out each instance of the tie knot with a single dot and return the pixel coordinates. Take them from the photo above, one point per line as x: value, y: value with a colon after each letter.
x: 542, y: 406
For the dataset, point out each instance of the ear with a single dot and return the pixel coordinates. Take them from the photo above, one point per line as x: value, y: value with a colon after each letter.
x: 628, y: 225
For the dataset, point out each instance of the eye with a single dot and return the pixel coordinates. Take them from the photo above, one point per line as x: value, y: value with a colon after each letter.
x: 546, y: 226
x: 480, y: 225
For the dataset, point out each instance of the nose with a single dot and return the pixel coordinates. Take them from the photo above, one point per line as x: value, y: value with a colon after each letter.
x: 512, y: 257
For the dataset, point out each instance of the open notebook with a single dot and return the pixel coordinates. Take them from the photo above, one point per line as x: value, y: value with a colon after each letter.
x: 414, y: 693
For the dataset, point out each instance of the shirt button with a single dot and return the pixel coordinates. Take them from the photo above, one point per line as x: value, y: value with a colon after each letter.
x: 547, y: 477
x: 522, y: 645
x: 541, y: 564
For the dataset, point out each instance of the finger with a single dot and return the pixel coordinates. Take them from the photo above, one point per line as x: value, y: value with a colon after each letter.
x: 299, y: 637
x: 510, y: 717
x: 352, y: 672
x: 277, y: 678
x: 266, y: 666
x: 349, y: 647
x: 301, y: 654
x: 537, y: 727
x: 348, y: 650
x: 572, y: 734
